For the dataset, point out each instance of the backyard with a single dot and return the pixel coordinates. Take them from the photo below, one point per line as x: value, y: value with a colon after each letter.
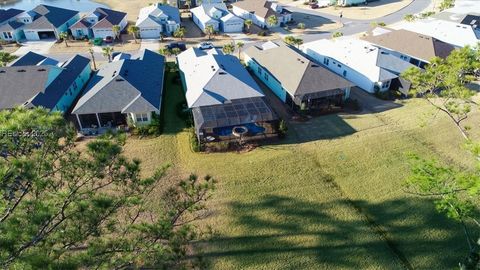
x: 328, y: 196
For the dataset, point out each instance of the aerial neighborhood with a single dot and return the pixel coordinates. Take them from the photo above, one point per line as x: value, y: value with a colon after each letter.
x: 340, y: 134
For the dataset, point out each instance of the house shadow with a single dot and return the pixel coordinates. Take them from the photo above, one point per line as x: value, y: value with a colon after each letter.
x: 344, y: 234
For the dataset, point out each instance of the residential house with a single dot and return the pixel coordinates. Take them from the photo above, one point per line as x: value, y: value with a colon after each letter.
x: 223, y: 97
x: 37, y: 81
x: 360, y: 62
x: 99, y: 24
x: 157, y: 19
x: 260, y: 10
x: 294, y: 79
x: 218, y: 16
x: 191, y: 3
x: 415, y: 48
x: 47, y: 22
x: 10, y: 29
x: 125, y: 90
x: 473, y: 20
x: 457, y: 34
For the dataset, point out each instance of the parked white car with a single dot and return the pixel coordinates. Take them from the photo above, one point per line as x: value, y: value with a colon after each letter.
x: 205, y: 46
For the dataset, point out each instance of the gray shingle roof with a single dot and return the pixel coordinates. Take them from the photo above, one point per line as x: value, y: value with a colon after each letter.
x: 10, y: 26
x: 50, y: 17
x: 109, y: 18
x: 297, y: 74
x: 57, y: 88
x: 127, y: 85
x: 413, y: 44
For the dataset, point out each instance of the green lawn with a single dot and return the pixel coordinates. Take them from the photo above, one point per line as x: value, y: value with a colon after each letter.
x: 328, y: 197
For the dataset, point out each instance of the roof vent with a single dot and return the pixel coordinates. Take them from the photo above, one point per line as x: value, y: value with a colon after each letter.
x: 42, y: 69
x: 119, y: 80
x: 21, y: 70
x: 314, y: 65
x: 222, y: 73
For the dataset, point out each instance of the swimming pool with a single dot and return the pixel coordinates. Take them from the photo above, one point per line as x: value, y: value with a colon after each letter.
x: 253, y: 129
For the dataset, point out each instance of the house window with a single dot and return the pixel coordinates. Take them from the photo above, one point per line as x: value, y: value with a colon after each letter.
x: 259, y: 70
x: 75, y: 85
x: 7, y: 35
x: 344, y: 73
x: 326, y: 61
x: 141, y: 117
x: 266, y: 76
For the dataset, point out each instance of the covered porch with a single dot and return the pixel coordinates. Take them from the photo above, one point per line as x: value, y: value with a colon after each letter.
x: 96, y: 122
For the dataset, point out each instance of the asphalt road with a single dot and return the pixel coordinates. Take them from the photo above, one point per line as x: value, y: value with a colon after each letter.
x: 352, y: 26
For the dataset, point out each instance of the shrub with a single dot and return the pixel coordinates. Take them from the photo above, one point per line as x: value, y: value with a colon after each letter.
x: 282, y: 128
x: 409, y: 18
x: 353, y: 104
x: 262, y: 33
x: 194, y: 143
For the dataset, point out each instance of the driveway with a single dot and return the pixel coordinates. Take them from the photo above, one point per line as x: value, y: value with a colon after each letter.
x: 40, y: 47
x: 150, y: 44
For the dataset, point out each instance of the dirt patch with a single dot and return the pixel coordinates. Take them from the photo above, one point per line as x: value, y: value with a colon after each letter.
x: 126, y: 44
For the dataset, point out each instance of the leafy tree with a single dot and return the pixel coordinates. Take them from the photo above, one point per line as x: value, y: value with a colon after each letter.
x: 6, y: 58
x: 64, y: 36
x: 240, y: 45
x: 92, y: 55
x: 175, y: 52
x: 443, y: 81
x: 180, y: 33
x: 248, y: 23
x: 165, y: 51
x: 272, y: 20
x: 228, y: 48
x: 107, y: 52
x: 209, y: 30
x: 337, y: 34
x: 291, y: 40
x: 133, y: 30
x: 66, y: 208
x: 116, y: 31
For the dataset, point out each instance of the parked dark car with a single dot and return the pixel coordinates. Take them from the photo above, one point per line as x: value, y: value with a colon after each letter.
x: 179, y: 45
x: 314, y: 6
x: 108, y: 39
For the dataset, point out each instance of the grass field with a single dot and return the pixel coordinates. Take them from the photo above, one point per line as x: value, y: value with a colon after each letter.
x: 328, y: 197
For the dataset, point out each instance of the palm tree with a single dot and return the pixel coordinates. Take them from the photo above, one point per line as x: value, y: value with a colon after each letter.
x: 133, y: 29
x: 298, y: 42
x: 240, y: 46
x: 337, y: 34
x: 116, y: 31
x: 228, y: 48
x: 272, y: 20
x: 165, y: 52
x: 209, y: 30
x: 107, y: 52
x: 175, y: 52
x: 6, y: 58
x: 90, y: 50
x: 290, y: 40
x: 248, y: 23
x: 301, y: 26
x: 64, y: 37
x: 179, y: 33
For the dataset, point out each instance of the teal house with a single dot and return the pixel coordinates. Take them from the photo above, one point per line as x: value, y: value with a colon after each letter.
x: 38, y: 81
x: 294, y: 79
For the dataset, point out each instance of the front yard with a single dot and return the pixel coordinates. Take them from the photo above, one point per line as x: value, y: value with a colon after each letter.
x: 329, y: 196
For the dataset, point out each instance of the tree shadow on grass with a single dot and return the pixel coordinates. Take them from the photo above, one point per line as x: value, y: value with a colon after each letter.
x: 290, y: 233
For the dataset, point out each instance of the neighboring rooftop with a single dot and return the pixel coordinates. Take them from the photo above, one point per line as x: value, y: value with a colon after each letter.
x: 213, y: 78
x: 33, y: 59
x: 361, y: 56
x: 108, y: 18
x: 38, y: 85
x: 457, y: 34
x: 410, y: 43
x: 261, y: 8
x: 126, y: 85
x: 48, y: 16
x: 7, y: 14
x: 297, y: 74
x: 152, y: 14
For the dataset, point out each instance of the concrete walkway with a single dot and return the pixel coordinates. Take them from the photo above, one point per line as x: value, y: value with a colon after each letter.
x: 40, y: 47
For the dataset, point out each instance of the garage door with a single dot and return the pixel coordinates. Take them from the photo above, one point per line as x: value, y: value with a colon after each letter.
x: 150, y: 33
x: 31, y: 35
x: 46, y: 34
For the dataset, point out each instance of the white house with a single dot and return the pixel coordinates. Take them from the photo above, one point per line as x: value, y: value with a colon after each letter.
x: 260, y: 10
x: 158, y: 19
x: 218, y: 16
x: 359, y: 62
x: 99, y: 24
x: 457, y: 34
